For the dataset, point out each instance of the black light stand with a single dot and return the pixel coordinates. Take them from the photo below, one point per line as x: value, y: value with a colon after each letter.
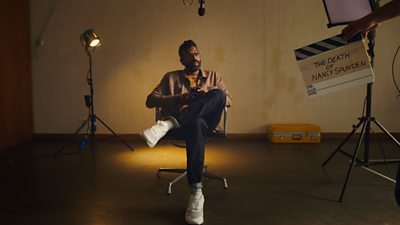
x: 365, y: 135
x: 90, y: 136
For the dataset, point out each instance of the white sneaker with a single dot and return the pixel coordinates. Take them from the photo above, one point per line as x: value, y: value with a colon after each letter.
x: 154, y: 133
x: 194, y: 212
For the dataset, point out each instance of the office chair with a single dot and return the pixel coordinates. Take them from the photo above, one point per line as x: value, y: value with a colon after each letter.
x: 181, y: 171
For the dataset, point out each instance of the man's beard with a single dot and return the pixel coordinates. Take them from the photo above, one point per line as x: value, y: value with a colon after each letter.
x: 193, y: 67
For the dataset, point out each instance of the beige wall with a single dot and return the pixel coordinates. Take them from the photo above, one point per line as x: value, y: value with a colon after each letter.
x: 242, y: 40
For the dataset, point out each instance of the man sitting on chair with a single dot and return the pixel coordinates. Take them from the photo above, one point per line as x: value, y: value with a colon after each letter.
x: 191, y: 101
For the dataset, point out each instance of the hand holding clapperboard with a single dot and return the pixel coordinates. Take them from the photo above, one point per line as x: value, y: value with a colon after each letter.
x: 334, y: 64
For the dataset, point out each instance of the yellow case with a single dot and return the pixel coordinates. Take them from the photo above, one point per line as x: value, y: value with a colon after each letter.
x: 294, y: 133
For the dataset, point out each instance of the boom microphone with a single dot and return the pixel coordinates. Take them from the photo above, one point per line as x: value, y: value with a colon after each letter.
x: 202, y: 10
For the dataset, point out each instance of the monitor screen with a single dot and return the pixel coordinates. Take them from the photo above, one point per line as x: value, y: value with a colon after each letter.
x: 345, y: 11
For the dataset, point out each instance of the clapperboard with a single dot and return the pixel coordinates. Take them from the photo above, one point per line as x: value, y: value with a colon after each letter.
x: 334, y: 64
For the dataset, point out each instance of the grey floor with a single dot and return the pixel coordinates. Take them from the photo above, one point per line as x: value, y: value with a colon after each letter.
x: 268, y: 184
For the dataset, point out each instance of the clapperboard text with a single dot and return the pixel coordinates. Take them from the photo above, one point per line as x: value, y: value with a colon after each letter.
x: 334, y: 64
x: 331, y: 68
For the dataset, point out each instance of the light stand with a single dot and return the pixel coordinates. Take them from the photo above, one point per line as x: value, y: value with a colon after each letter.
x: 90, y: 40
x: 365, y: 122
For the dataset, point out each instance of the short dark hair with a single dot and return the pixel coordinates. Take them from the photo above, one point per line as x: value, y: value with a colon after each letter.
x: 185, y: 45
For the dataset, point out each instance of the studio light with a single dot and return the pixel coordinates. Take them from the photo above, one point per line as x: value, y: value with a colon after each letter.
x: 90, y: 39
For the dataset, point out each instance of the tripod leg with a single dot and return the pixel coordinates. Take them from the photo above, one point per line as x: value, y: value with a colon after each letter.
x: 343, y: 142
x: 73, y: 136
x: 353, y: 160
x: 115, y: 134
x: 386, y: 132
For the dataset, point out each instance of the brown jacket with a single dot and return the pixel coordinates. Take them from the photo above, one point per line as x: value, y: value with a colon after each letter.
x: 175, y: 83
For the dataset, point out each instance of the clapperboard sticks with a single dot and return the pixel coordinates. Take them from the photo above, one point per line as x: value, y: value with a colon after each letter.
x: 322, y: 46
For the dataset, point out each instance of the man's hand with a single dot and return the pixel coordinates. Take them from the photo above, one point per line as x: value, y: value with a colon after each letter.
x: 363, y: 26
x: 201, y: 92
x: 372, y: 20
x: 189, y: 98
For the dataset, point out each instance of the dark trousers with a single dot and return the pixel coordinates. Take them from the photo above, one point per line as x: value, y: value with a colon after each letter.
x: 197, y: 122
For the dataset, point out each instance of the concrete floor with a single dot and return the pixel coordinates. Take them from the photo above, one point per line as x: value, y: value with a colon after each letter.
x: 268, y: 184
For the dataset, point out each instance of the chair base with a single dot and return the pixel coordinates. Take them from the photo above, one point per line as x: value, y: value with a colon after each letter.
x: 183, y: 174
